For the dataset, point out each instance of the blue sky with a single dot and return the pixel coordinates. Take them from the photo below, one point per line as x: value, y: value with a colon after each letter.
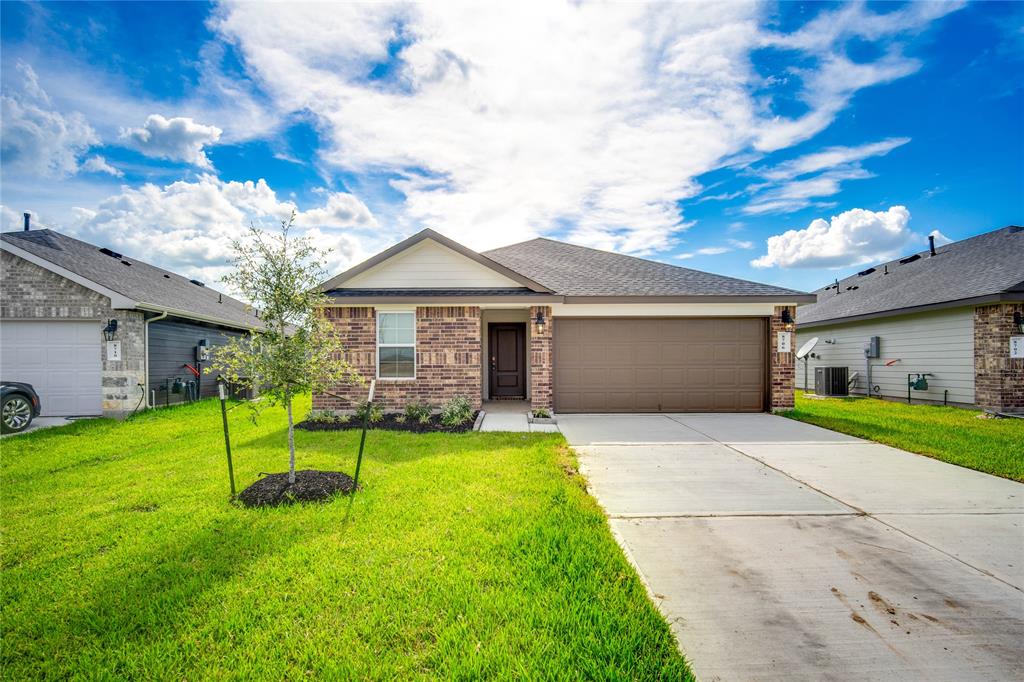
x: 786, y: 143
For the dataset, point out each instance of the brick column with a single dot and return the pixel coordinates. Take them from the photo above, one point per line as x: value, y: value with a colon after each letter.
x: 782, y: 369
x: 541, y: 356
x: 998, y: 380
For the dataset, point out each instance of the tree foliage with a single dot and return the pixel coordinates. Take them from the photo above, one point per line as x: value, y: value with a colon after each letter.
x: 297, y: 349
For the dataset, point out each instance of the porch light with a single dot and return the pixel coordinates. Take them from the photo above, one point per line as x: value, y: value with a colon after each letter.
x: 539, y: 320
x: 786, y: 317
x: 110, y: 330
x: 1018, y: 320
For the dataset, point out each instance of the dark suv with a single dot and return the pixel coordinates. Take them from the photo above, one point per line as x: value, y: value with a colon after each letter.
x: 19, y: 405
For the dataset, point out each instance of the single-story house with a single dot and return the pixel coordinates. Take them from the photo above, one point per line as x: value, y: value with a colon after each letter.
x: 948, y: 313
x: 99, y: 333
x: 561, y: 327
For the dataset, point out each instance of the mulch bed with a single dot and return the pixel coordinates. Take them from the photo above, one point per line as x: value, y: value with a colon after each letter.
x: 310, y: 486
x: 390, y: 424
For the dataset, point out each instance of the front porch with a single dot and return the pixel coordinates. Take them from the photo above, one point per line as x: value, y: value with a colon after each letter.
x: 516, y: 356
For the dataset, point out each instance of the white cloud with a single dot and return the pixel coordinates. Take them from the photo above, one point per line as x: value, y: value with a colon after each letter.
x: 187, y: 227
x: 713, y: 251
x: 741, y: 244
x: 850, y: 238
x: 789, y: 189
x: 940, y: 239
x: 177, y: 139
x: 504, y: 122
x: 37, y: 139
x: 830, y: 157
x: 97, y: 164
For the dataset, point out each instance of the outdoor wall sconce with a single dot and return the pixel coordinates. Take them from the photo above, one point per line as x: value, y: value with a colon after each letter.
x: 110, y: 330
x: 1018, y: 321
x: 539, y: 320
x: 786, y: 317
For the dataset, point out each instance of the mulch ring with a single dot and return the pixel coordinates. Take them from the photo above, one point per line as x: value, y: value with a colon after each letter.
x: 310, y: 486
x: 389, y: 423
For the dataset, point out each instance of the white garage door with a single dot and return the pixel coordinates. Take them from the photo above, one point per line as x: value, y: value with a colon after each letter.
x: 60, y: 359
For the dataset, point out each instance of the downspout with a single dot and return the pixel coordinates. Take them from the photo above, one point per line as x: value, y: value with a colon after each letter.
x: 145, y: 369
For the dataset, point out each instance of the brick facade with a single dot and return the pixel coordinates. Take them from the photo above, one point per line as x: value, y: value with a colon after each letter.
x: 541, y: 359
x: 31, y: 292
x: 998, y: 379
x: 782, y: 366
x: 448, y: 358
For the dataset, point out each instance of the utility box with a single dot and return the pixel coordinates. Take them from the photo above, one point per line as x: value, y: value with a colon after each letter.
x: 832, y: 381
x: 872, y: 347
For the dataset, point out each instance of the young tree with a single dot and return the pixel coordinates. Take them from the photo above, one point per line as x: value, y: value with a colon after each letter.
x: 298, y: 350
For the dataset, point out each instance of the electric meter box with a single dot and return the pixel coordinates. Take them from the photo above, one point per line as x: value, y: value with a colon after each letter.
x: 872, y: 346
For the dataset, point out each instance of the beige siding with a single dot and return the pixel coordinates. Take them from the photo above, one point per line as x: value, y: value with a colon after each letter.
x: 939, y: 343
x: 429, y: 265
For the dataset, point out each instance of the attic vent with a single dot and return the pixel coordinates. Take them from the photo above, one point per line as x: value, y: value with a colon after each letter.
x: 197, y: 283
x: 851, y: 288
x: 167, y: 276
x: 124, y: 262
x: 909, y: 259
x: 107, y: 252
x: 862, y: 273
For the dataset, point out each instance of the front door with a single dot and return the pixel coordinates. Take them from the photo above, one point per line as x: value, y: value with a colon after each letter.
x: 507, y: 350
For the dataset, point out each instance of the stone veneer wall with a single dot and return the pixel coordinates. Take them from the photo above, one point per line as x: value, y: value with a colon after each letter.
x: 782, y: 366
x: 541, y: 359
x: 448, y: 358
x: 998, y: 379
x: 30, y: 292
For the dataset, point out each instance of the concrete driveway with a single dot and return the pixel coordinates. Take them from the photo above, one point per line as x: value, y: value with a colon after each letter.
x: 779, y: 550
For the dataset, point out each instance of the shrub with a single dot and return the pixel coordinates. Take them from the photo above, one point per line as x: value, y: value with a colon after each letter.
x: 400, y: 418
x: 418, y: 411
x: 456, y: 411
x: 541, y: 413
x: 371, y: 412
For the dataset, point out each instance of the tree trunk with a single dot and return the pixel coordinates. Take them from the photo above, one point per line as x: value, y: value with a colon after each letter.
x: 291, y: 441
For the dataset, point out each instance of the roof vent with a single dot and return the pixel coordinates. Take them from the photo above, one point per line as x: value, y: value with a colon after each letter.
x: 124, y: 262
x: 910, y: 259
x: 862, y: 273
x: 1016, y: 228
x: 167, y: 276
x: 107, y: 252
x: 197, y: 283
x: 851, y: 288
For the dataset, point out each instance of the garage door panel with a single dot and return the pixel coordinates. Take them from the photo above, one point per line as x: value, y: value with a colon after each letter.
x: 61, y: 359
x: 663, y: 364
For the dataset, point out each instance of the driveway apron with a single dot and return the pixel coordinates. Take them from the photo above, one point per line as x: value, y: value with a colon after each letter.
x: 778, y: 550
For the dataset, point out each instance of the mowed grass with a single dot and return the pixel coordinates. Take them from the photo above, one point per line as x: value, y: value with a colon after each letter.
x: 954, y: 435
x: 466, y: 556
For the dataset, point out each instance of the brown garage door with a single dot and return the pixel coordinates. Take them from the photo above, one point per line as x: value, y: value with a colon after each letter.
x: 659, y: 365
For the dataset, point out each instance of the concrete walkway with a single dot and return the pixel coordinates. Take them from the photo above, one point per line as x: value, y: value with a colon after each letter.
x: 510, y: 415
x: 781, y: 551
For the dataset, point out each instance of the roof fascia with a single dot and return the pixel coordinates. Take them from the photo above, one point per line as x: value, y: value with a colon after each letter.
x: 117, y: 299
x: 150, y: 307
x: 398, y: 248
x: 789, y: 299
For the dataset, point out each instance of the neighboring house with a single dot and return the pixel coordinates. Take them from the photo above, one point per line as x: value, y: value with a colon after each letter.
x: 58, y: 297
x: 948, y: 313
x: 562, y: 326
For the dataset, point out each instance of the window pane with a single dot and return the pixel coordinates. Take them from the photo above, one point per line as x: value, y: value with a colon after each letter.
x: 396, y: 327
x: 397, y: 362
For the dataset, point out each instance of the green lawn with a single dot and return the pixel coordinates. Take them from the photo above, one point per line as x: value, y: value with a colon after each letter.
x: 954, y: 435
x: 466, y: 556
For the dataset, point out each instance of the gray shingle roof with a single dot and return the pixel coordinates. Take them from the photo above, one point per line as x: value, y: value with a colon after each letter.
x: 138, y: 281
x: 572, y: 270
x: 989, y: 264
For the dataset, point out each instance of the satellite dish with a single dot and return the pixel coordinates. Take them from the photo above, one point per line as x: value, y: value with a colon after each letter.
x: 806, y: 348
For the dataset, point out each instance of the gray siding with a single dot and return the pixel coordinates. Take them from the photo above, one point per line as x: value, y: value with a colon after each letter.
x: 172, y: 344
x: 939, y: 343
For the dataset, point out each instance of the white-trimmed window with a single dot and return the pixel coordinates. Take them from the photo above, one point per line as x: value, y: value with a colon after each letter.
x: 396, y: 345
